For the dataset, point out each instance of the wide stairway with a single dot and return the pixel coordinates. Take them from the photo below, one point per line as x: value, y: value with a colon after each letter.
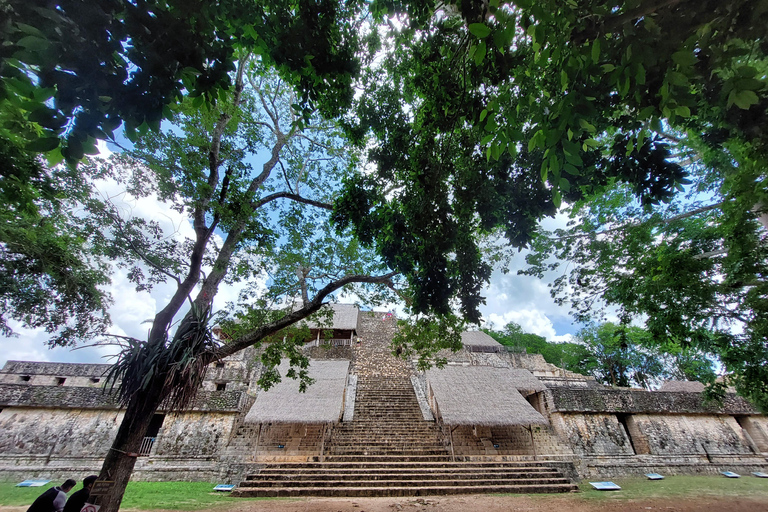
x: 388, y: 449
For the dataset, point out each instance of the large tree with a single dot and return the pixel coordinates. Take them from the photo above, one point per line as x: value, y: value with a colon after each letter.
x: 489, y: 116
x: 265, y: 224
x: 481, y: 117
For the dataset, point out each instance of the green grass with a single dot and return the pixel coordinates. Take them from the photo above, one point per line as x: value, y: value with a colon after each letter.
x: 139, y: 495
x: 200, y: 495
x: 680, y: 487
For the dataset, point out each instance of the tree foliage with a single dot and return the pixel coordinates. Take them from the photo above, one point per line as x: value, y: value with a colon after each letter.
x: 573, y: 357
x: 616, y: 355
x: 694, y: 268
x: 79, y: 69
x: 255, y: 178
x: 48, y: 277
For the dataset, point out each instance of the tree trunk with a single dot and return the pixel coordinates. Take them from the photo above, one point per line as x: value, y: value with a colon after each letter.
x: 121, y: 457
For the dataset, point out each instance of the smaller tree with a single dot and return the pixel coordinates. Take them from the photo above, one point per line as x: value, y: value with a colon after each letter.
x: 624, y: 355
x: 569, y: 356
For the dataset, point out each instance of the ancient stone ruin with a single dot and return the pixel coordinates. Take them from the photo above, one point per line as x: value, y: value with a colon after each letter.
x: 490, y: 421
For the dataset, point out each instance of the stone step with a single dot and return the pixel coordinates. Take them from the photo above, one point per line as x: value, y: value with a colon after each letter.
x: 405, y: 452
x: 388, y: 458
x: 355, y: 482
x: 339, y: 491
x: 422, y: 466
x: 396, y: 474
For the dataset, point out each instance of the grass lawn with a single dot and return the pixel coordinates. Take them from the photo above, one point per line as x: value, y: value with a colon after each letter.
x: 139, y: 495
x: 200, y: 495
x: 679, y: 487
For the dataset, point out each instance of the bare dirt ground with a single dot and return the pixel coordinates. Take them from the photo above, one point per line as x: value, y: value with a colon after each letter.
x: 569, y: 503
x: 489, y: 503
x: 565, y: 503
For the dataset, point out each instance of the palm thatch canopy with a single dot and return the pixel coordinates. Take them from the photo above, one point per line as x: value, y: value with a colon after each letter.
x: 345, y: 317
x: 321, y: 403
x: 479, y: 340
x: 684, y: 386
x: 482, y: 395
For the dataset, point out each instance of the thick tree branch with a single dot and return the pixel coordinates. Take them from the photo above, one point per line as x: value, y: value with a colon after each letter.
x: 294, y: 197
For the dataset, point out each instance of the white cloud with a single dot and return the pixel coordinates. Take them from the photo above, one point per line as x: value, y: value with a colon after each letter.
x: 531, y: 320
x: 522, y: 299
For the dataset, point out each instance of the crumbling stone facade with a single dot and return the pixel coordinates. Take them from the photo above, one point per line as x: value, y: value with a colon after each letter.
x: 57, y: 420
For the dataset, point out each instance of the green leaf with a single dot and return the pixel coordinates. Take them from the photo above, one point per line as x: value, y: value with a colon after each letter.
x: 684, y: 58
x: 640, y: 75
x: 586, y: 125
x: 596, y: 51
x: 32, y: 43
x: 557, y: 199
x: 488, y: 138
x: 479, y: 30
x: 565, y: 184
x: 743, y: 99
x: 43, y: 145
x: 646, y: 113
x: 483, y: 114
x: 683, y: 111
x: 570, y: 169
x: 480, y: 53
x: 678, y: 79
x: 592, y: 143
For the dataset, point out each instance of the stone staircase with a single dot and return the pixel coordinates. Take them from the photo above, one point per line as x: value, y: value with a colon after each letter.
x: 366, y: 479
x: 388, y: 449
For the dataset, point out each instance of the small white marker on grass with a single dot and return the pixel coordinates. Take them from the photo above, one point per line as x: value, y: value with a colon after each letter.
x: 605, y: 486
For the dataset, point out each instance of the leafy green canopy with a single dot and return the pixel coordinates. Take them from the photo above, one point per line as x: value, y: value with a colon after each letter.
x: 616, y: 355
x: 694, y: 268
x: 489, y: 120
x: 48, y: 278
x: 80, y: 68
x: 573, y: 357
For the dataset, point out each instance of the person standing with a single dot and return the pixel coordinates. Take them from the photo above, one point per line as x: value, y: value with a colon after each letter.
x: 54, y: 499
x: 78, y: 499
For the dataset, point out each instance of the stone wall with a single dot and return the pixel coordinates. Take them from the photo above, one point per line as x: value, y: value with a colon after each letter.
x: 57, y: 432
x: 691, y: 435
x: 635, y: 401
x: 286, y: 442
x: 194, y: 434
x: 536, y: 441
x: 62, y: 369
x: 22, y: 395
x: 592, y: 434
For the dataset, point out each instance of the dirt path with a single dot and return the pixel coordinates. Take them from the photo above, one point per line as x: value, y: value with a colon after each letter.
x: 566, y: 503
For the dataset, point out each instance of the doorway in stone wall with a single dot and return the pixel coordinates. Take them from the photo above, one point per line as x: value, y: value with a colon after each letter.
x: 149, y: 439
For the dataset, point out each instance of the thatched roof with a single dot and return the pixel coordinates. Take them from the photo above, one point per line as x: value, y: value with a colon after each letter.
x: 685, y: 386
x: 478, y: 339
x: 321, y: 403
x: 345, y: 317
x: 482, y: 395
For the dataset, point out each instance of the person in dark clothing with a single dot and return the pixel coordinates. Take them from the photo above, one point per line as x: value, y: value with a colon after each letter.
x: 53, y: 499
x: 79, y: 498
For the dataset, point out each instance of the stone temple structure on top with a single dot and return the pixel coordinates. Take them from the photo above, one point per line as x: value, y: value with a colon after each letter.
x: 490, y: 420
